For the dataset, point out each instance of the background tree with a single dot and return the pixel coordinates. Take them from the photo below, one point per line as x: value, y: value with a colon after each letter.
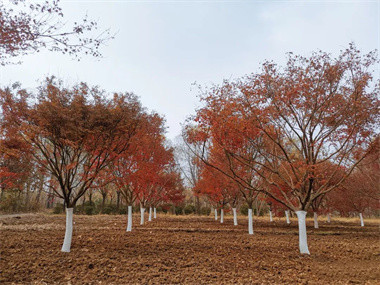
x: 190, y: 167
x: 359, y: 194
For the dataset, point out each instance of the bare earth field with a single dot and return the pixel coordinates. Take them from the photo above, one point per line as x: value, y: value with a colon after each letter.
x: 192, y: 250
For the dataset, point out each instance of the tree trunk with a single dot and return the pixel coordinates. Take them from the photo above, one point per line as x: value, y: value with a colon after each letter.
x: 129, y: 224
x: 328, y: 218
x: 69, y: 230
x: 301, y: 215
x: 27, y: 196
x: 104, y: 195
x: 142, y: 210
x: 250, y: 222
x: 198, y: 205
x: 221, y: 216
x: 52, y: 200
x: 90, y: 198
x: 235, y: 216
x: 316, y: 220
x: 40, y: 188
x: 118, y: 200
x: 154, y: 213
x: 2, y: 193
x: 216, y: 214
x: 150, y: 214
x: 270, y: 216
x: 361, y: 220
x: 287, y: 217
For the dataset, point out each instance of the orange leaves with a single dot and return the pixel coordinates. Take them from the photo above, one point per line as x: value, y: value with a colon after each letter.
x: 74, y: 133
x: 295, y: 126
x: 145, y: 171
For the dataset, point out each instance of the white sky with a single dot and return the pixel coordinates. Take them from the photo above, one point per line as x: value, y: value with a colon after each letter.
x: 162, y: 47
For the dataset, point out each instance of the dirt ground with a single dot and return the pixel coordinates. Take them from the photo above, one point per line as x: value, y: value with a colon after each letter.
x: 191, y: 250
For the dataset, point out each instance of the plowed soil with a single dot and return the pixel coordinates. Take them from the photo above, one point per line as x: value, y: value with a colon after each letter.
x: 191, y: 250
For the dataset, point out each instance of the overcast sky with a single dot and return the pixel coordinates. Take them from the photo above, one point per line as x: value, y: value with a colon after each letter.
x: 162, y: 47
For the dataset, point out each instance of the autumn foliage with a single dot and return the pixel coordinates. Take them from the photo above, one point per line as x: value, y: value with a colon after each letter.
x: 295, y: 127
x: 79, y: 137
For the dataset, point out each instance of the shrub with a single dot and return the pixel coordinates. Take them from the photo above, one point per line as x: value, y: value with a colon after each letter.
x: 109, y: 209
x: 89, y: 210
x: 189, y: 209
x: 164, y: 208
x: 205, y: 211
x: 122, y: 211
x: 244, y: 210
x: 178, y: 210
x: 10, y: 203
x: 58, y: 209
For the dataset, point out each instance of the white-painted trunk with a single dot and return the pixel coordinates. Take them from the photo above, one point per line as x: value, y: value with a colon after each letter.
x: 154, y: 213
x: 129, y: 224
x: 216, y: 214
x: 235, y: 216
x: 250, y: 224
x: 69, y: 230
x: 142, y: 211
x: 287, y: 217
x: 361, y: 220
x: 316, y: 226
x: 221, y: 216
x: 328, y: 218
x: 150, y: 214
x: 270, y: 216
x: 301, y: 215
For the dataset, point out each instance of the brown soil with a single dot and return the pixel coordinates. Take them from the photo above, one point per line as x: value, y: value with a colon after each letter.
x: 192, y: 250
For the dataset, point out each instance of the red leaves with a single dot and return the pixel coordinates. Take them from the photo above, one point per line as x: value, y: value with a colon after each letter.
x: 146, y: 170
x: 294, y: 127
x: 71, y: 135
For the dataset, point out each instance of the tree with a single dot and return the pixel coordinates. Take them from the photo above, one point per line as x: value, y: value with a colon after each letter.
x: 142, y: 172
x: 103, y: 185
x: 360, y: 192
x: 214, y: 187
x: 215, y: 156
x: 74, y: 134
x: 30, y: 26
x: 315, y: 109
x: 190, y: 167
x: 16, y: 168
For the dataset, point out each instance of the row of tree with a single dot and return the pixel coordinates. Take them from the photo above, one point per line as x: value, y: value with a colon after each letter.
x: 358, y: 194
x: 77, y: 140
x: 303, y: 136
